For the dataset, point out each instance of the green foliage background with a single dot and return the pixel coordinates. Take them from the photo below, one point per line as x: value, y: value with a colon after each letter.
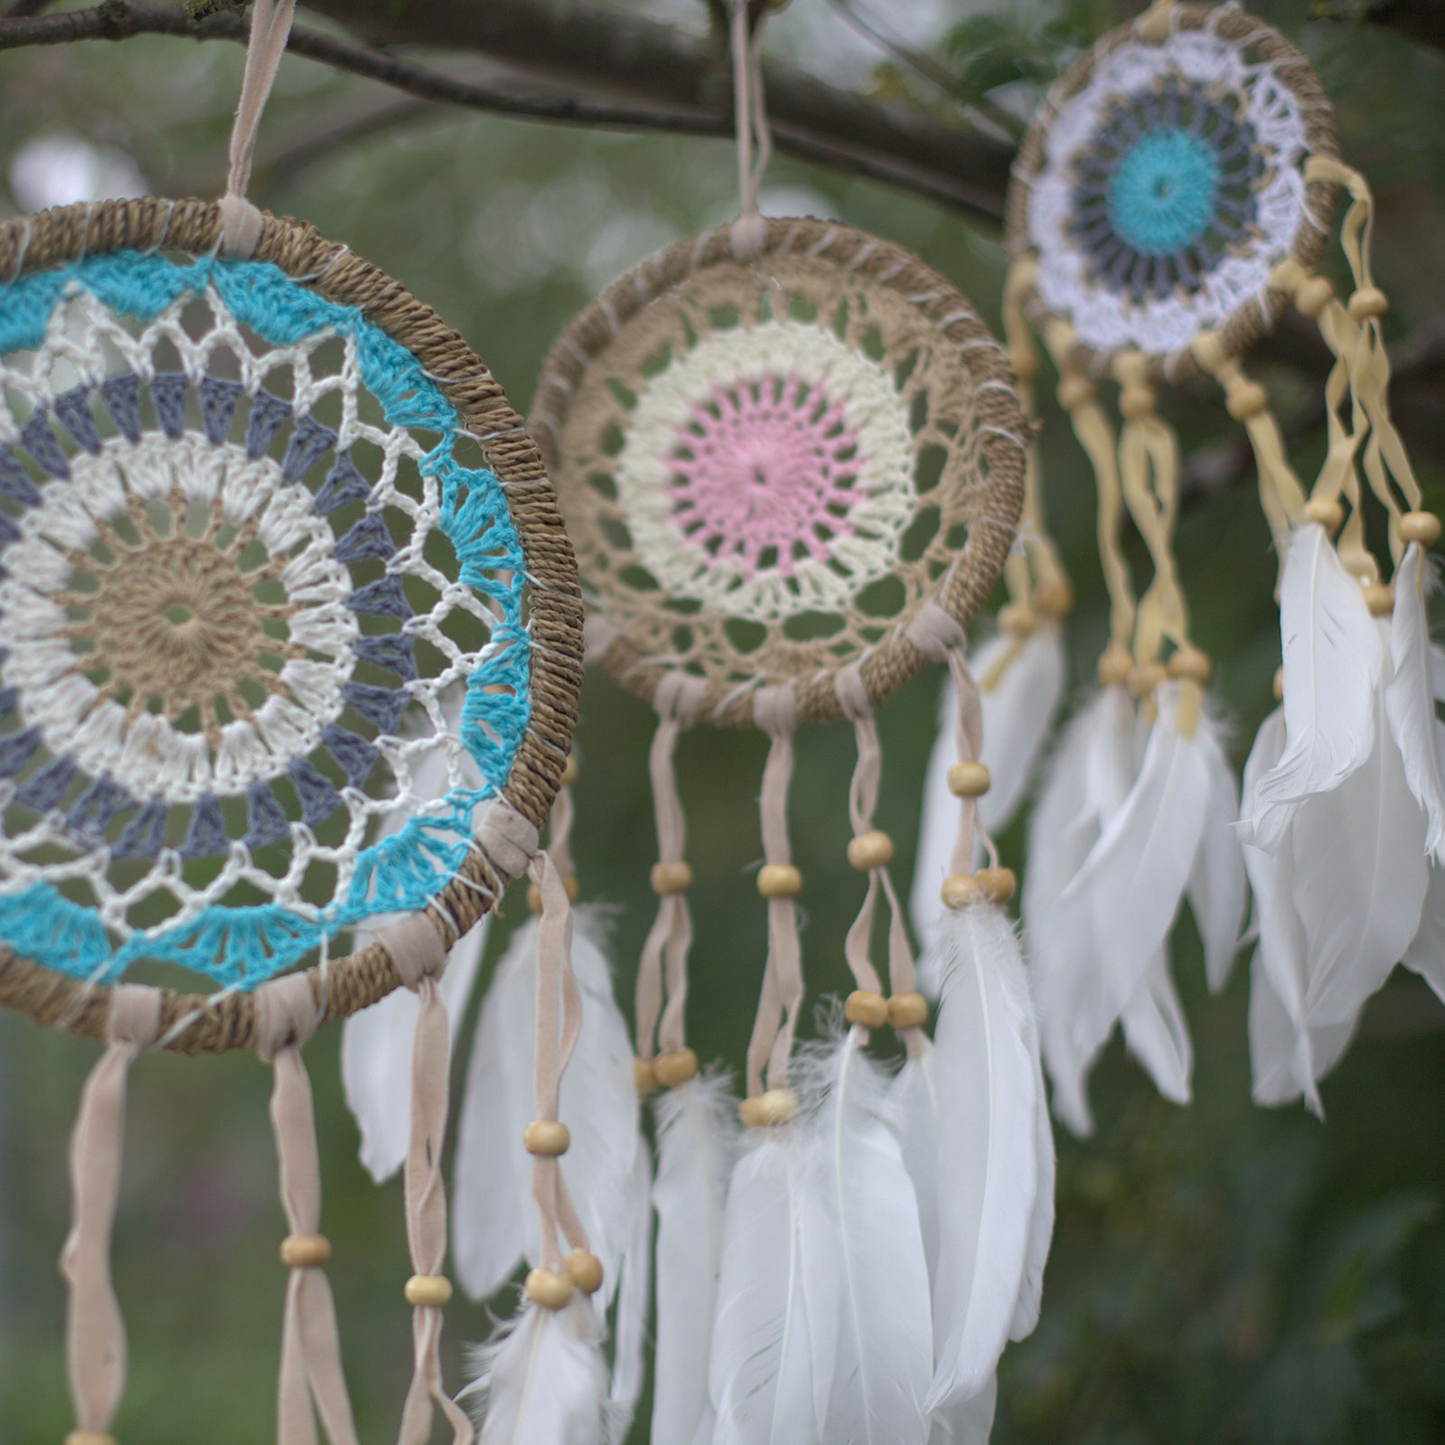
x: 1220, y: 1273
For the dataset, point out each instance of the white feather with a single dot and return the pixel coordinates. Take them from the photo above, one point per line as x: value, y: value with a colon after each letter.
x: 1156, y: 1032
x: 1359, y: 882
x: 376, y: 1049
x: 1021, y: 684
x: 1332, y: 659
x: 494, y: 1224
x: 541, y: 1382
x: 1408, y: 699
x: 883, y: 1339
x: 770, y: 1370
x: 1088, y: 779
x: 1113, y: 919
x: 1426, y: 954
x: 697, y: 1142
x: 1041, y: 1225
x: 915, y: 1099
x: 1216, y: 887
x: 986, y: 1074
x: 634, y: 1295
x: 970, y: 1422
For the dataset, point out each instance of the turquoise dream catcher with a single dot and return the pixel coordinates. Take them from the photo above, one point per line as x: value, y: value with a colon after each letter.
x: 1172, y: 198
x: 289, y: 669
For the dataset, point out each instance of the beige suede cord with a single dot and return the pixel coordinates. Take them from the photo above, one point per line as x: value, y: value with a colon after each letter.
x: 775, y: 712
x: 95, y: 1349
x: 559, y: 1022
x: 241, y: 220
x: 751, y: 125
x: 420, y: 959
x: 287, y: 1016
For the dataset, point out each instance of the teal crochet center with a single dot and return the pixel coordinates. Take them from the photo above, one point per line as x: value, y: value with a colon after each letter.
x: 263, y: 657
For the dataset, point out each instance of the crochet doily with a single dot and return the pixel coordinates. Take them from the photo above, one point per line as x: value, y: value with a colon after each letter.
x: 252, y: 544
x: 1162, y: 182
x: 768, y: 468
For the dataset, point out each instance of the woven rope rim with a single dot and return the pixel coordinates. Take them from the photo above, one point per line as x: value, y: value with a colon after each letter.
x: 889, y: 664
x: 195, y: 1023
x: 1257, y: 317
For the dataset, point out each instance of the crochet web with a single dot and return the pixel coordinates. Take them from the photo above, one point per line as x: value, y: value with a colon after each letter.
x: 768, y: 469
x: 1166, y: 181
x: 242, y: 568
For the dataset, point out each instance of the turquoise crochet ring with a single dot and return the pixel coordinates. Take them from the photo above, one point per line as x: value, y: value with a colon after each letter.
x: 286, y: 612
x: 1165, y: 177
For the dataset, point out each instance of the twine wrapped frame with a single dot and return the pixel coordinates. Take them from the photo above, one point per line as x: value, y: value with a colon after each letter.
x: 193, y: 1023
x: 1262, y: 49
x: 947, y: 380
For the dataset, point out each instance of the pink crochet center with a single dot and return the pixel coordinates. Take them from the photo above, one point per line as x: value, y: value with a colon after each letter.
x: 764, y: 474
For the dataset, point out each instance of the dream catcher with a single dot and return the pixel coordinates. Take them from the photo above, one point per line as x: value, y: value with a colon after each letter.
x: 1170, y: 201
x: 277, y: 556
x: 792, y: 460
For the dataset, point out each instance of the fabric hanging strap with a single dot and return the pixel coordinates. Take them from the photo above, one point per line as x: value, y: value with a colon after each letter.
x: 287, y: 1014
x: 270, y: 28
x: 95, y: 1347
x: 775, y: 710
x: 862, y: 803
x: 559, y: 1024
x: 420, y: 956
x: 751, y: 122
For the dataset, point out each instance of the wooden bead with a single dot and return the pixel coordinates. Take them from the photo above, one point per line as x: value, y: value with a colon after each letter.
x: 1137, y: 400
x: 584, y: 1270
x: 645, y: 1076
x: 1313, y: 296
x: 1368, y: 303
x: 1328, y: 512
x: 89, y: 1437
x: 1017, y: 620
x: 1191, y: 665
x: 866, y: 1009
x: 305, y: 1251
x: 870, y: 850
x: 570, y: 885
x: 779, y: 880
x: 1246, y: 401
x: 1379, y: 598
x: 961, y: 889
x: 546, y: 1137
x: 907, y: 1010
x: 1115, y: 666
x: 671, y: 878
x: 1054, y: 599
x: 569, y: 772
x: 999, y: 883
x: 1279, y: 684
x: 1421, y: 527
x: 428, y: 1291
x: 1144, y: 678
x: 968, y: 780
x: 675, y: 1068
x: 549, y: 1288
x: 1075, y: 391
x: 775, y: 1106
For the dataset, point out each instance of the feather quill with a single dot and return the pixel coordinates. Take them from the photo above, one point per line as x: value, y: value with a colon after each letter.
x: 494, y: 1225
x: 1332, y: 659
x: 986, y: 1076
x: 1021, y: 684
x: 542, y: 1381
x: 770, y: 1368
x: 697, y: 1142
x: 883, y: 1342
x: 1408, y: 699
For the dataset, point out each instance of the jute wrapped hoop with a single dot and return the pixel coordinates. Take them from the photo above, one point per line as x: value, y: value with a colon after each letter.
x: 192, y: 229
x: 1081, y: 114
x: 899, y: 403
